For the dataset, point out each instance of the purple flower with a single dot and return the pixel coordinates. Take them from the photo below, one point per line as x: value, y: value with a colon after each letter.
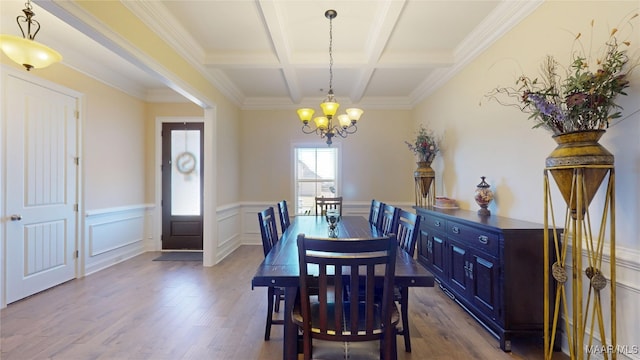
x: 545, y: 107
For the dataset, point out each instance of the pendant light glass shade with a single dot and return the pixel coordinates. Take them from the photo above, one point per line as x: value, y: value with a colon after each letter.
x: 321, y: 122
x: 305, y: 114
x: 28, y: 53
x: 354, y: 114
x: 329, y: 108
x: 344, y: 120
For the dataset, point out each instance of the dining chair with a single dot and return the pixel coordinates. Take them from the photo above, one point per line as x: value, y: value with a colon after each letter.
x: 275, y: 294
x: 323, y: 311
x: 283, y: 213
x: 326, y: 203
x: 374, y: 213
x: 407, y: 232
x: 388, y: 219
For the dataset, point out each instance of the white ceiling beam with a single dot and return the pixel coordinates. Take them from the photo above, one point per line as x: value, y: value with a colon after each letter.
x: 381, y: 30
x: 272, y: 17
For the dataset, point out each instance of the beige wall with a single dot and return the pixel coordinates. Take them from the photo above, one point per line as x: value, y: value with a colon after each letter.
x: 498, y: 142
x: 113, y: 155
x: 228, y: 147
x: 375, y: 160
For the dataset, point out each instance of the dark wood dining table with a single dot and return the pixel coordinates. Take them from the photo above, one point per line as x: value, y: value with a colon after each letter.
x: 280, y: 266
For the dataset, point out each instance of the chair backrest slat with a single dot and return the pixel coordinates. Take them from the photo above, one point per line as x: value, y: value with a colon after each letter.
x: 389, y: 219
x: 283, y: 213
x: 268, y: 229
x: 375, y: 213
x: 325, y: 203
x: 347, y: 317
x: 407, y: 231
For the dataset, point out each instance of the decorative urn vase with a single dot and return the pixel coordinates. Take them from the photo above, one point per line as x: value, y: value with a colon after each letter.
x: 579, y: 149
x: 424, y: 179
x: 423, y: 176
x: 483, y: 197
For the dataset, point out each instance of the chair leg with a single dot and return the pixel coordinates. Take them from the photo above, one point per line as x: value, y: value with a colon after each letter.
x: 404, y: 310
x: 267, y: 329
x: 278, y: 297
x: 389, y: 346
x: 394, y: 347
x: 306, y: 346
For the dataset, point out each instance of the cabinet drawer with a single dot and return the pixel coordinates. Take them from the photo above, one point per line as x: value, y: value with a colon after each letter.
x: 479, y: 238
x: 434, y: 223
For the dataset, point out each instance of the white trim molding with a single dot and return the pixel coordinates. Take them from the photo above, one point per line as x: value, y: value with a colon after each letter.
x: 112, y: 235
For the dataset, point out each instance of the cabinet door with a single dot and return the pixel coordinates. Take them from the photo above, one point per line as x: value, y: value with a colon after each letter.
x: 458, y: 268
x: 431, y: 249
x: 484, y: 273
x: 437, y: 254
x: 424, y: 248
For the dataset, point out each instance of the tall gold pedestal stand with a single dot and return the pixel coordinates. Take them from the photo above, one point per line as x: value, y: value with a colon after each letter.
x: 585, y: 320
x: 425, y: 181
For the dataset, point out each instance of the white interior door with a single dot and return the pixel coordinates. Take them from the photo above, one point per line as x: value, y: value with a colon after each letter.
x: 41, y: 187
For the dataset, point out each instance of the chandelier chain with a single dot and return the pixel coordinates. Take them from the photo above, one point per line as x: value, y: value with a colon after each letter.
x: 331, y: 55
x: 28, y: 20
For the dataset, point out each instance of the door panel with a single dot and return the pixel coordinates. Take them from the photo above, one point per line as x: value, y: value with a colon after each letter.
x: 41, y: 187
x: 485, y: 284
x: 458, y: 271
x: 182, y: 181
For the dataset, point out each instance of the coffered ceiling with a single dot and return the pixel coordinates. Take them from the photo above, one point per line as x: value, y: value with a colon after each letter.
x: 274, y: 53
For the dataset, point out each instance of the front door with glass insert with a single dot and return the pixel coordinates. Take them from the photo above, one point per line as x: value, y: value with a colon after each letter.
x: 182, y: 170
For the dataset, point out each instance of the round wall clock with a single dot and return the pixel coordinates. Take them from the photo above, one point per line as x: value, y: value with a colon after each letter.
x: 186, y: 162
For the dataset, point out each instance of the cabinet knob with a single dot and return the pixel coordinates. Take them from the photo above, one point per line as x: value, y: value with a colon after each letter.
x: 483, y: 239
x: 436, y: 223
x: 455, y: 229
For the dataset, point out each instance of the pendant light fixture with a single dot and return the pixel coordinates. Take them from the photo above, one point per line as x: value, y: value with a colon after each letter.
x: 324, y: 125
x: 25, y: 50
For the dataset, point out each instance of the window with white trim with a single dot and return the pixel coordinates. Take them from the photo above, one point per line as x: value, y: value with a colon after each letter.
x: 316, y: 174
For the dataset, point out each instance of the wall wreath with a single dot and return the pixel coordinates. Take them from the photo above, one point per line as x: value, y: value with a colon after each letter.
x: 186, y: 162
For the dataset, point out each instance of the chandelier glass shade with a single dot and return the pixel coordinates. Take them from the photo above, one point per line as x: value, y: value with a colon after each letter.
x: 25, y: 50
x: 325, y: 125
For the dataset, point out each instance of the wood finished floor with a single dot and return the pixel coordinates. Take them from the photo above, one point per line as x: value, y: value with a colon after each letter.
x: 144, y: 309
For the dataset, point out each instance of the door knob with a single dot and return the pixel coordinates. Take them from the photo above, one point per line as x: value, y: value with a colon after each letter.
x: 16, y: 217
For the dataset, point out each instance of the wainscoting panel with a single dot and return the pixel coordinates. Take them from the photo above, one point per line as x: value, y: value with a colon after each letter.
x: 114, y: 235
x: 627, y: 300
x: 111, y: 235
x: 250, y: 225
x: 229, y: 230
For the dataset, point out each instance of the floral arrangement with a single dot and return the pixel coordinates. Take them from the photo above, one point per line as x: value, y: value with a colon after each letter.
x: 425, y: 145
x: 585, y: 98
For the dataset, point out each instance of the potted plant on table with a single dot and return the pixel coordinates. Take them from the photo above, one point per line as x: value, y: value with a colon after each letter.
x: 577, y: 103
x: 425, y: 146
x: 581, y: 97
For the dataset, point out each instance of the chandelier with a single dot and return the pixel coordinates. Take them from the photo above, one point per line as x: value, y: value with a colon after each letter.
x: 25, y: 50
x: 324, y: 125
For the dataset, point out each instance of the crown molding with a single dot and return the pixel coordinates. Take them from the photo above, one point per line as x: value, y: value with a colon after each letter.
x: 160, y: 21
x: 370, y: 103
x: 506, y: 15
